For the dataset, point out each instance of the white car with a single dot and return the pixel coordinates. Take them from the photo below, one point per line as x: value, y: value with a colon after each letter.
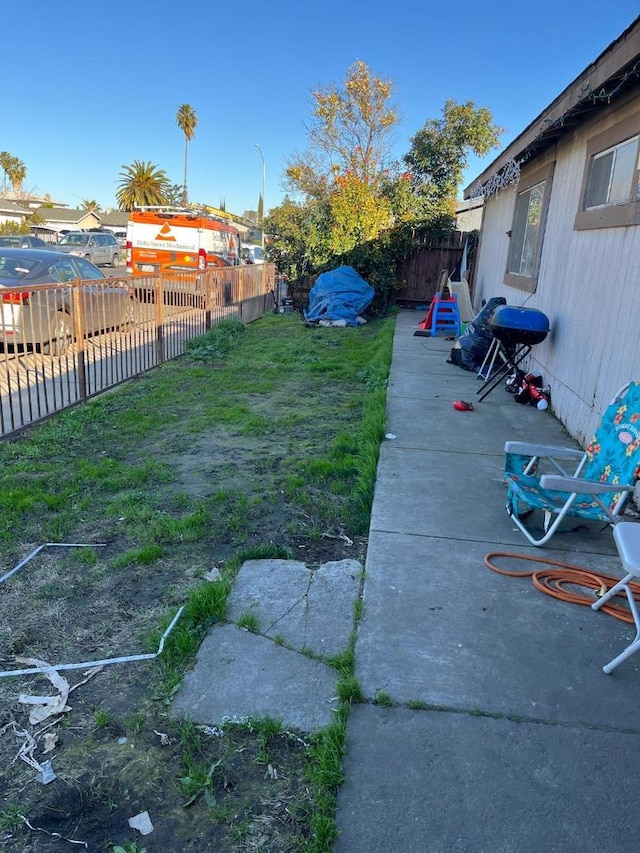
x: 252, y: 254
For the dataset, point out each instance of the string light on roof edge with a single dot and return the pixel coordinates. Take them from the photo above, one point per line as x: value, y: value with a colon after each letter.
x: 510, y: 173
x: 497, y: 181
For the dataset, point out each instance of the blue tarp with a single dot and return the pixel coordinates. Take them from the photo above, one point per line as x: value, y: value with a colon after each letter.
x: 340, y: 294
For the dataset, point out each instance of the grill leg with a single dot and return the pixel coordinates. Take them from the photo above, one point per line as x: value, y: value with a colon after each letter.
x: 508, y: 367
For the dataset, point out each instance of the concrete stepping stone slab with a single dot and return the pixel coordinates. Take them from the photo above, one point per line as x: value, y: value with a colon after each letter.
x: 238, y: 674
x: 307, y: 608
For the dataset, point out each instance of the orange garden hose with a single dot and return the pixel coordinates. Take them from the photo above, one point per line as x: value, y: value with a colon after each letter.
x: 558, y: 582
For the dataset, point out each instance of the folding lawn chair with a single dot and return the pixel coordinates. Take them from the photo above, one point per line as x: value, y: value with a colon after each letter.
x: 600, y: 485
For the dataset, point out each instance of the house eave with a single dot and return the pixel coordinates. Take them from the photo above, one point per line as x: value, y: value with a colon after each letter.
x: 613, y: 74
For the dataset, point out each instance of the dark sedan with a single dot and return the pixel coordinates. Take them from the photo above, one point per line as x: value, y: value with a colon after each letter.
x: 22, y: 241
x: 47, y: 318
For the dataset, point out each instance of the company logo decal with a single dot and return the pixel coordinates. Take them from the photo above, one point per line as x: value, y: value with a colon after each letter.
x: 165, y: 234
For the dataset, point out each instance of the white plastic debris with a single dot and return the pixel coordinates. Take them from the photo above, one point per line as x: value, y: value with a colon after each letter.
x: 45, y: 771
x: 46, y: 706
x: 213, y: 575
x: 46, y: 774
x: 390, y: 436
x: 336, y: 324
x: 165, y: 740
x: 141, y: 822
x: 22, y: 563
x: 213, y: 731
x: 50, y: 741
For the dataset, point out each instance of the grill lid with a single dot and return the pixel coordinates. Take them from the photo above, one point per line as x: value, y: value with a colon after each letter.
x: 512, y: 325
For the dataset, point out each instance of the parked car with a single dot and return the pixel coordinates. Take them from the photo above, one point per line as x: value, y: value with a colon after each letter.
x: 99, y: 248
x: 22, y: 241
x: 45, y: 318
x: 252, y: 254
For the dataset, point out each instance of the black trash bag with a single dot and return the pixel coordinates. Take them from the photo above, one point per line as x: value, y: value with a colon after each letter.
x: 471, y: 348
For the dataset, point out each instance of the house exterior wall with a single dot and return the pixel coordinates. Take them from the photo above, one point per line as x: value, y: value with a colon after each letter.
x: 14, y: 218
x: 74, y: 220
x: 588, y: 285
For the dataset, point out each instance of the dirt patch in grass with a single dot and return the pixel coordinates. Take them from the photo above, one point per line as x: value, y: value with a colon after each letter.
x: 175, y: 474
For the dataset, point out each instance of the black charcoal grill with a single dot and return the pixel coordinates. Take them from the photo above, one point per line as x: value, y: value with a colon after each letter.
x: 517, y: 330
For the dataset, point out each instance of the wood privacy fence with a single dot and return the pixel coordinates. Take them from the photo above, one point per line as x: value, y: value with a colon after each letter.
x: 418, y: 275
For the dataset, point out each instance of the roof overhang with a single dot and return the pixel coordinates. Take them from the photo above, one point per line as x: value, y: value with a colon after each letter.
x: 614, y: 73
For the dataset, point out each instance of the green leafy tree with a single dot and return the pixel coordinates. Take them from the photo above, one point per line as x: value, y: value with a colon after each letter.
x: 174, y: 194
x: 298, y: 237
x: 440, y: 151
x: 141, y: 185
x: 356, y: 205
x: 186, y: 119
x: 350, y: 131
x: 14, y: 228
x: 340, y: 178
x: 358, y: 213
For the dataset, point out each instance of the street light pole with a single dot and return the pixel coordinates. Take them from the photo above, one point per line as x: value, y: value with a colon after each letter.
x: 264, y: 176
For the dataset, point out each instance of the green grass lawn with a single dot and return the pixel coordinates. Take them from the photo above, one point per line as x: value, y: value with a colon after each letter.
x: 261, y: 441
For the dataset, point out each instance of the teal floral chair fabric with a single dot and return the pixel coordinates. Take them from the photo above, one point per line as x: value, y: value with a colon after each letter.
x: 599, y: 485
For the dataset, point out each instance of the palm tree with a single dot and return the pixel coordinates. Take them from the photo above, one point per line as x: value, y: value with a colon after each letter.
x: 186, y: 120
x: 16, y: 173
x: 90, y: 204
x: 5, y: 165
x: 142, y: 185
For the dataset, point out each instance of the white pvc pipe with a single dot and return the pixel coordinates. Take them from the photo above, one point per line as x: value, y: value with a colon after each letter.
x: 92, y: 663
x: 51, y: 545
x: 83, y: 664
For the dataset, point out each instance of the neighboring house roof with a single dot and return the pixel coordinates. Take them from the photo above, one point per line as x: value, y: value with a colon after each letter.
x: 65, y: 217
x: 613, y: 73
x: 10, y: 207
x: 114, y: 218
x: 30, y: 200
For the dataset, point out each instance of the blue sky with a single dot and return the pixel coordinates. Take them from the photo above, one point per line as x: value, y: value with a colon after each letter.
x: 89, y: 88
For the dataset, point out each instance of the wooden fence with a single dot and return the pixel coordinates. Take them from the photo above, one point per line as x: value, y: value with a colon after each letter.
x: 418, y: 275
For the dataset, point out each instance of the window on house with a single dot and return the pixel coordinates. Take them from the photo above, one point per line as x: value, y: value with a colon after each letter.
x: 525, y: 234
x: 611, y: 175
x: 527, y: 229
x: 610, y: 196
